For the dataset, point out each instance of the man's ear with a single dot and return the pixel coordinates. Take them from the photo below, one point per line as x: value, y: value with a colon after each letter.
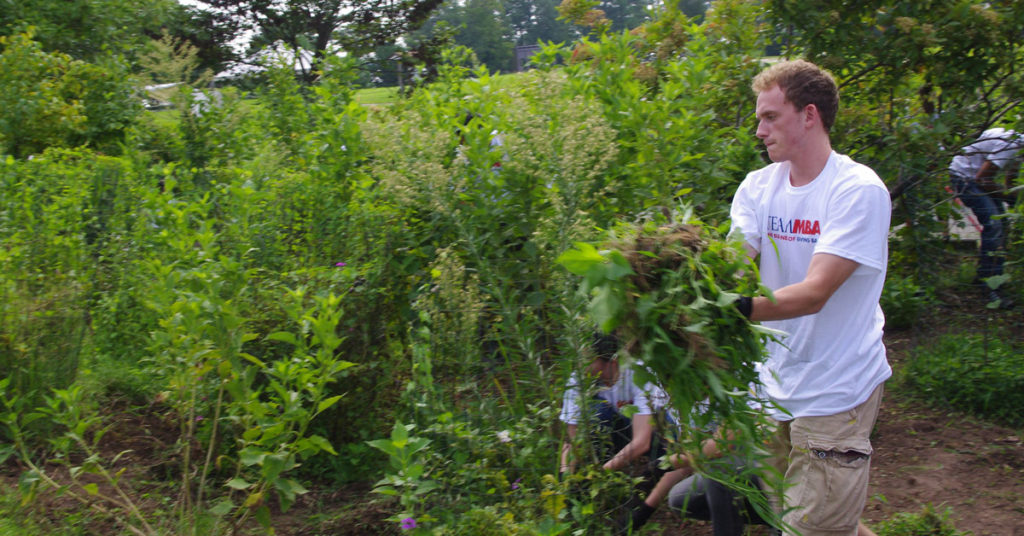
x: 811, y: 115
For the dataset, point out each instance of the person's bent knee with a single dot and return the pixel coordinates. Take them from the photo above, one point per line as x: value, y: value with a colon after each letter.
x: 689, y: 498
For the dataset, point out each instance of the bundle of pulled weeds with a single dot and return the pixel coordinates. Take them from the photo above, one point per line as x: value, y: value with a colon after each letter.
x: 668, y: 292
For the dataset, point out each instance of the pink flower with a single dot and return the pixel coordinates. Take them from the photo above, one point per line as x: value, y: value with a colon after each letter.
x: 339, y: 265
x: 408, y: 523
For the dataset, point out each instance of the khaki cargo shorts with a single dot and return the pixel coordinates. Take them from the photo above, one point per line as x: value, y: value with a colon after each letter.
x: 826, y: 480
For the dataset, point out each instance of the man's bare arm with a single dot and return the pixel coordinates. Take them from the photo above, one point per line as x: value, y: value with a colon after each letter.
x: 825, y: 275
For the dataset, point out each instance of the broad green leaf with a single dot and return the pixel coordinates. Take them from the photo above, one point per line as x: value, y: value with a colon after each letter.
x: 726, y: 298
x: 644, y: 305
x: 222, y: 508
x: 696, y: 328
x: 322, y: 443
x: 426, y: 486
x: 618, y: 267
x: 606, y: 307
x: 580, y: 260
x: 273, y: 465
x: 414, y: 471
x: 399, y: 435
x: 997, y: 281
x: 252, y: 359
x: 224, y: 369
x: 284, y: 336
x: 383, y: 445
x: 251, y: 456
x: 386, y: 490
x: 287, y: 490
x: 238, y: 483
x: 328, y: 402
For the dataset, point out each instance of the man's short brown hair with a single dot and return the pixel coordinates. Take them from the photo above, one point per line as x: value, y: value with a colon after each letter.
x: 803, y: 83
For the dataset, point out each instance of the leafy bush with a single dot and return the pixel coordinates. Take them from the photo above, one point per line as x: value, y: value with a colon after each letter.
x: 468, y: 476
x: 668, y: 292
x: 976, y: 374
x: 52, y: 100
x: 903, y: 301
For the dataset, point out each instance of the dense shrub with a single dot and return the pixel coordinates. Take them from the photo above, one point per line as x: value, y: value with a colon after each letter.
x: 52, y: 100
x: 979, y: 374
x: 903, y: 301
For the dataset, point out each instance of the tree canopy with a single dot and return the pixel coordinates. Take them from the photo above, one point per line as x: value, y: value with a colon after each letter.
x: 85, y: 29
x: 356, y: 26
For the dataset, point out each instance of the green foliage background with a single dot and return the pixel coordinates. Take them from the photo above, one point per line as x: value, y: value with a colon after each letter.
x: 213, y: 265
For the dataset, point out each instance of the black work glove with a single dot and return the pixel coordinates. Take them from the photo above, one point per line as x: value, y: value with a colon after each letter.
x: 634, y: 515
x: 745, y: 305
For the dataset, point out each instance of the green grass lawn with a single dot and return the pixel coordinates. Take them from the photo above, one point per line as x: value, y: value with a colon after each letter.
x: 372, y: 96
x: 388, y: 95
x: 377, y: 95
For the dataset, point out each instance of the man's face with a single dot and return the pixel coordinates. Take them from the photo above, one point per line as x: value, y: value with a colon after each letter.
x: 779, y: 124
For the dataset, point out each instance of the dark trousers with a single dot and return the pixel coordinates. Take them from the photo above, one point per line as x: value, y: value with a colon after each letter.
x: 615, y: 431
x: 987, y: 209
x: 699, y: 497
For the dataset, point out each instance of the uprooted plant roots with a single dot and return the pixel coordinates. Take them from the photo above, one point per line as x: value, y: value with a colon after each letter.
x: 662, y: 258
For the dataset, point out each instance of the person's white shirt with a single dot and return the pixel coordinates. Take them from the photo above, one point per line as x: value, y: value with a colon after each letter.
x: 647, y: 399
x: 997, y: 145
x: 830, y: 361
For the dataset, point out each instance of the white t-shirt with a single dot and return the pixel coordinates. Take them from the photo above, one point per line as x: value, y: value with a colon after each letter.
x: 997, y: 145
x: 624, y: 392
x: 830, y: 361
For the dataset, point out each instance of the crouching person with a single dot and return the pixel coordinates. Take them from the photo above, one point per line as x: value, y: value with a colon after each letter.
x: 617, y: 440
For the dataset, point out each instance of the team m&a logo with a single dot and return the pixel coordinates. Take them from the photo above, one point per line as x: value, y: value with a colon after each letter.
x: 794, y: 226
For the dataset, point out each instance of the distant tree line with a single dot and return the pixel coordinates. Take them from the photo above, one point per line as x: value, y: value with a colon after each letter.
x: 493, y: 28
x: 386, y: 35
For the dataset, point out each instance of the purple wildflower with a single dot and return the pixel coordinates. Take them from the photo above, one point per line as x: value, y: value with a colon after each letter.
x: 340, y: 264
x: 515, y: 485
x: 408, y: 523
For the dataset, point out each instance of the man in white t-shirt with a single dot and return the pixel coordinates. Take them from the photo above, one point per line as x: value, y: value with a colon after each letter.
x: 973, y: 174
x: 819, y: 223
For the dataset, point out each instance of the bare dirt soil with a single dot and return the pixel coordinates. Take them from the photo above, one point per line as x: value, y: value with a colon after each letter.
x: 926, y: 455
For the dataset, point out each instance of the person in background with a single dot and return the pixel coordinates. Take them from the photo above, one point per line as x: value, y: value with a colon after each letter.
x: 973, y: 174
x: 619, y: 439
